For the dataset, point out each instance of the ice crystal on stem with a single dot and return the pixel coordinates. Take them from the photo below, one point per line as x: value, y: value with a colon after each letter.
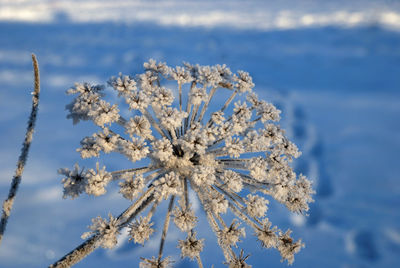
x: 155, y: 263
x: 141, y: 230
x: 108, y: 230
x: 220, y: 154
x: 239, y: 261
x: 184, y: 219
x: 191, y: 247
x: 74, y: 182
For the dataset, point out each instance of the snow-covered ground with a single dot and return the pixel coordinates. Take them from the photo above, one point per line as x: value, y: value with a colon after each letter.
x: 331, y: 66
x: 251, y: 14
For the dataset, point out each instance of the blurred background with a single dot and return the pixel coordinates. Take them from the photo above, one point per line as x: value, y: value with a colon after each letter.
x: 331, y: 66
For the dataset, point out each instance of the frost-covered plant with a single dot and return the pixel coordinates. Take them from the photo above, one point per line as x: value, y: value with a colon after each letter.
x: 219, y: 155
x: 9, y: 201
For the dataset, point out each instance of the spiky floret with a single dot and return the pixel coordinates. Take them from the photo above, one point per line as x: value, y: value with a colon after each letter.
x: 215, y: 152
x: 191, y: 247
x: 108, y: 230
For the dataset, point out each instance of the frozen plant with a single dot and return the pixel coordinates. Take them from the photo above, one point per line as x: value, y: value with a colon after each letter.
x: 9, y: 201
x: 220, y: 155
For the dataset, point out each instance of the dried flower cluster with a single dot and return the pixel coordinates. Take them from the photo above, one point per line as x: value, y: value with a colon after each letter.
x: 237, y: 149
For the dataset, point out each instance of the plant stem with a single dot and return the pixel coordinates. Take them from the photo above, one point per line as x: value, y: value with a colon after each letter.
x: 8, y: 203
x: 204, y: 108
x: 165, y: 229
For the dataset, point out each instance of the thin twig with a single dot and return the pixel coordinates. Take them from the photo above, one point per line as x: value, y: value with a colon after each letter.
x: 211, y: 220
x: 188, y: 107
x: 194, y: 114
x: 165, y: 228
x: 152, y: 122
x: 186, y: 194
x: 228, y: 101
x: 180, y: 129
x: 8, y: 203
x: 136, y: 171
x: 204, y: 108
x: 180, y: 96
x: 199, y: 262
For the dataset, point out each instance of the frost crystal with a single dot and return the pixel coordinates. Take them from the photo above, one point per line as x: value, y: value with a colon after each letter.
x: 232, y: 180
x: 267, y: 235
x: 229, y: 236
x: 131, y: 187
x: 191, y: 247
x: 141, y: 230
x: 140, y: 126
x: 107, y: 229
x: 256, y: 206
x: 122, y: 84
x: 75, y: 181
x: 168, y: 185
x: 287, y: 247
x: 239, y: 261
x: 155, y: 263
x: 185, y: 220
x: 97, y: 180
x: 190, y: 143
x: 106, y: 141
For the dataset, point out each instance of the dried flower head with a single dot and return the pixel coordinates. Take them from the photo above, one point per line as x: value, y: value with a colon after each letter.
x: 191, y: 247
x: 239, y: 261
x: 217, y: 154
x: 141, y: 230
